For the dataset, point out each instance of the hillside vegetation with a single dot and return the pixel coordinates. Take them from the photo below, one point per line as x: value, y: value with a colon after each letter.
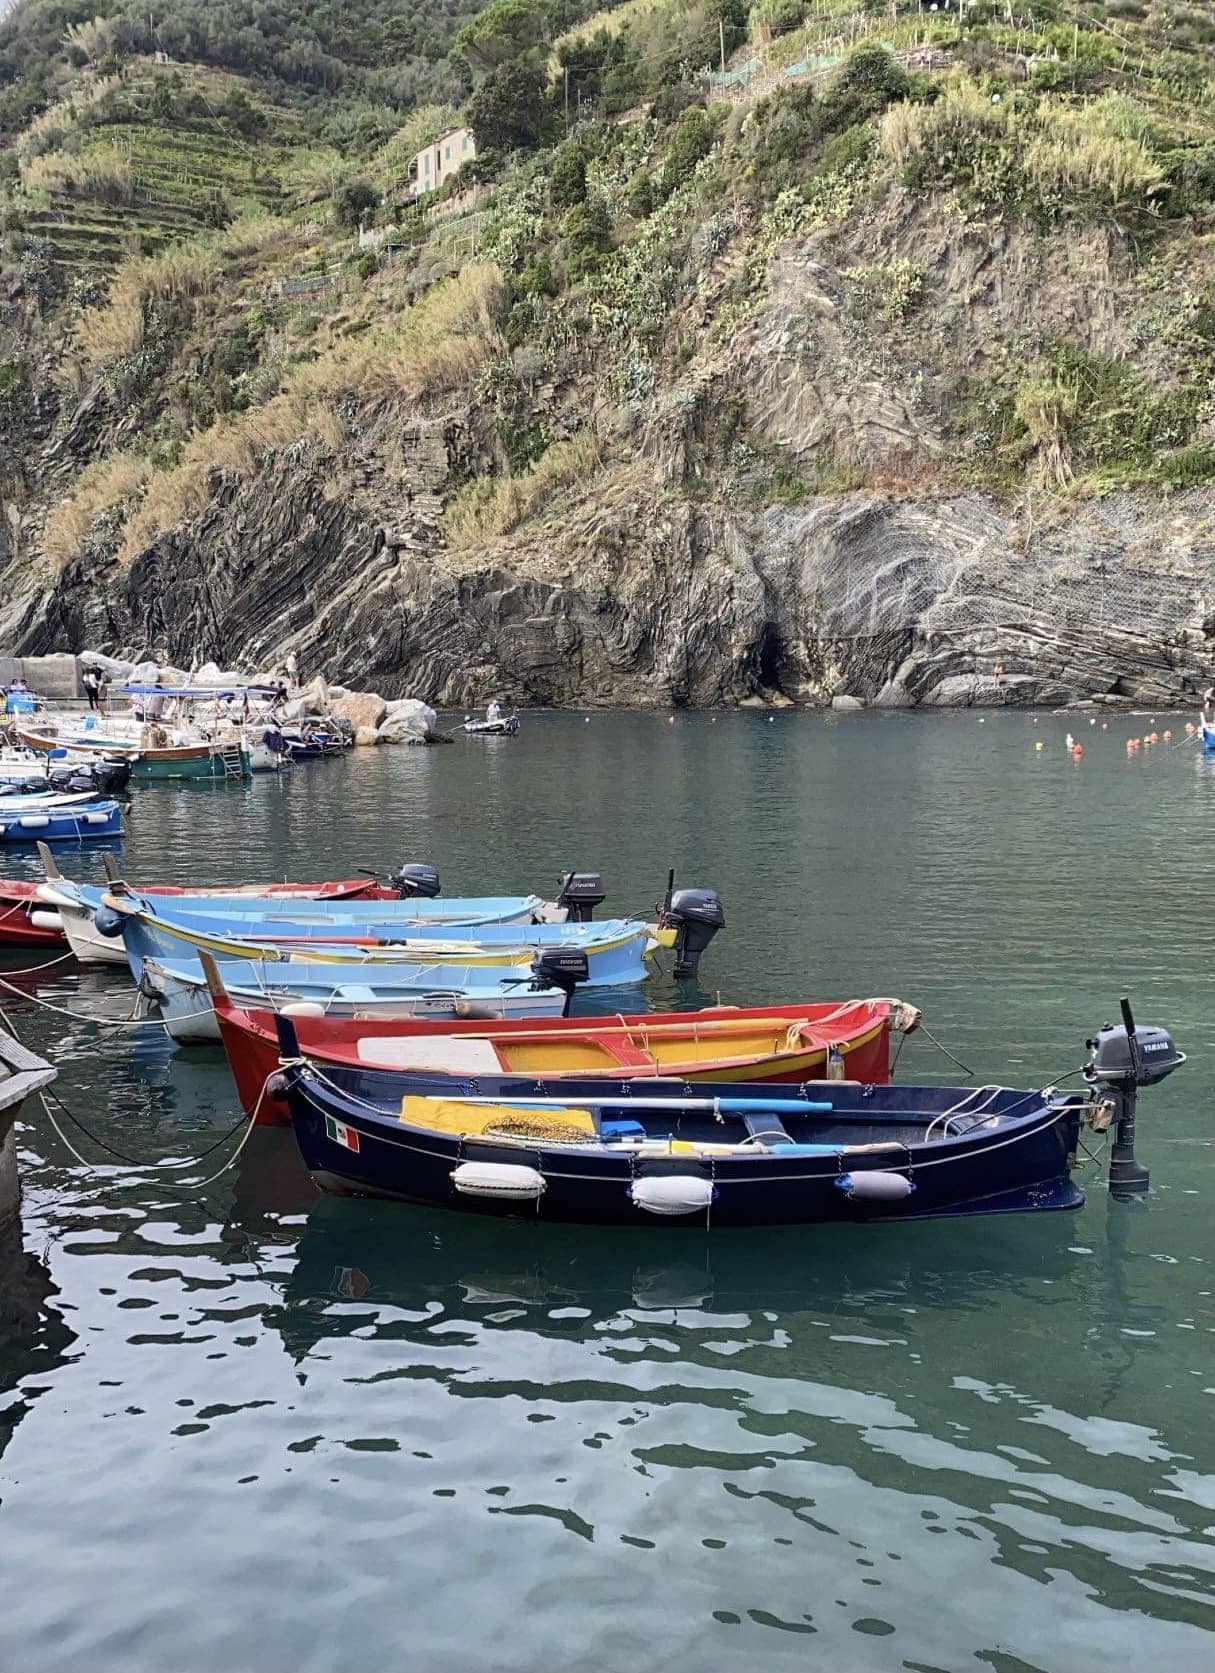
x: 981, y: 246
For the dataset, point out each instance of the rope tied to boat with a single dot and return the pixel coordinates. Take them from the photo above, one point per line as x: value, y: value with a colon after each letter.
x: 155, y: 1168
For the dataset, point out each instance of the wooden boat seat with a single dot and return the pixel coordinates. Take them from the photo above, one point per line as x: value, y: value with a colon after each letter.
x: 764, y: 1128
x: 449, y: 1055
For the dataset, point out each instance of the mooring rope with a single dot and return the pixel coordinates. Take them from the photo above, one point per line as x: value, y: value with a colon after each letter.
x: 76, y: 1016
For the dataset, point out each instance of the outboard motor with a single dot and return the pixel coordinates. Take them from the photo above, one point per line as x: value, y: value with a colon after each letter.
x: 696, y: 915
x: 581, y: 892
x: 560, y: 967
x: 1121, y: 1060
x: 416, y: 882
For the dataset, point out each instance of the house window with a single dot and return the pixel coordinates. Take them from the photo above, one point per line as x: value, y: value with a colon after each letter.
x: 447, y: 153
x: 464, y: 143
x: 426, y: 163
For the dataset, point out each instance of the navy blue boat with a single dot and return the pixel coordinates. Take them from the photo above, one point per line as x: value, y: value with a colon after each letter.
x: 715, y: 1155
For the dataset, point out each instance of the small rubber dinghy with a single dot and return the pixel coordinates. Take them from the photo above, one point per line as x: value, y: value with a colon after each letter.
x: 722, y: 1154
x: 506, y: 727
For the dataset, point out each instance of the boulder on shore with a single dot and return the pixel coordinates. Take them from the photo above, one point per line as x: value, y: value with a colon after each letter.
x: 365, y: 735
x: 363, y: 709
x: 408, y: 721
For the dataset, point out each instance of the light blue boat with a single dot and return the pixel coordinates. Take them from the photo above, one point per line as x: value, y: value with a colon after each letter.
x: 1208, y: 739
x: 238, y: 910
x: 439, y: 991
x: 615, y: 949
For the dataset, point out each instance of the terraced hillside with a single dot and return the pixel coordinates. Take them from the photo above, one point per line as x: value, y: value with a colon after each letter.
x: 809, y: 348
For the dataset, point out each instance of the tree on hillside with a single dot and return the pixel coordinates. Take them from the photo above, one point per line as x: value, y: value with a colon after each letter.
x: 510, y: 108
x: 506, y: 30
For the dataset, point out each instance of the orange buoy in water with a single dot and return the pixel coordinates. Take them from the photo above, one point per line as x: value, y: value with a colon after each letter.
x: 1077, y: 751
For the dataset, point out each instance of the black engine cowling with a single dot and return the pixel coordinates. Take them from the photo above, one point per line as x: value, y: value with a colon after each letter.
x: 1121, y: 1060
x: 416, y: 882
x: 581, y: 892
x: 560, y: 967
x: 696, y: 915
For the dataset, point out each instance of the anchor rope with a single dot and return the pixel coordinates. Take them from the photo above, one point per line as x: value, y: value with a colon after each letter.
x: 144, y: 1168
x: 76, y: 1016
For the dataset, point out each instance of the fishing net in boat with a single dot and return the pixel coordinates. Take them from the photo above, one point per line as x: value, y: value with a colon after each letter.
x: 545, y: 1129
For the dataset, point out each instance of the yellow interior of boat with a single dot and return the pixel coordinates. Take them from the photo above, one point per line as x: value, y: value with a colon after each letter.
x: 449, y: 1115
x: 659, y: 1047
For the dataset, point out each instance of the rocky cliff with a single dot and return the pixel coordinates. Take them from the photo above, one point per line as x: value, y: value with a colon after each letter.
x: 878, y: 448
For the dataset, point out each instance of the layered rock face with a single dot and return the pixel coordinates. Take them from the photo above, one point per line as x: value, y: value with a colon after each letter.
x: 669, y: 576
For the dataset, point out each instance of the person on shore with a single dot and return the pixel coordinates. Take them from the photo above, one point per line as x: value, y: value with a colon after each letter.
x: 1208, y: 706
x: 92, y: 686
x: 103, y: 692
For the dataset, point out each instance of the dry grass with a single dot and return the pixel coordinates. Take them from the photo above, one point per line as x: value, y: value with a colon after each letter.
x: 103, y: 174
x: 109, y: 485
x: 1055, y: 155
x: 612, y: 20
x: 496, y: 505
x: 437, y: 347
x: 65, y: 113
x: 176, y: 275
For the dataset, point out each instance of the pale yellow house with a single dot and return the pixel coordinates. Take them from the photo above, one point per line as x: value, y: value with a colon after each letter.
x: 435, y: 164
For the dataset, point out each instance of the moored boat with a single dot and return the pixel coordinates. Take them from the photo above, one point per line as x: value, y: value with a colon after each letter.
x: 58, y: 819
x: 152, y: 755
x: 789, y: 1043
x: 440, y: 991
x: 506, y: 726
x: 616, y: 950
x: 25, y: 921
x: 74, y: 903
x: 734, y: 1154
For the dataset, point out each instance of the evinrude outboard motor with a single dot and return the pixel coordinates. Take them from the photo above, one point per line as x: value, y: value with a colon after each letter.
x: 416, y: 882
x: 1121, y: 1060
x: 696, y: 915
x: 581, y: 892
x: 560, y: 967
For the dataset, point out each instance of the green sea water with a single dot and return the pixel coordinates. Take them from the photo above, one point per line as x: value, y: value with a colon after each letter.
x: 251, y: 1428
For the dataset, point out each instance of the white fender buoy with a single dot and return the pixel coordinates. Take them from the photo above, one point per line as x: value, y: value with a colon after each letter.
x: 673, y: 1193
x: 96, y: 818
x: 302, y: 1008
x: 33, y: 822
x: 46, y: 920
x: 875, y: 1186
x: 498, y: 1179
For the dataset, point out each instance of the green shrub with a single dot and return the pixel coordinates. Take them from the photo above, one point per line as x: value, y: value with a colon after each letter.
x: 691, y: 140
x: 567, y: 179
x: 639, y: 196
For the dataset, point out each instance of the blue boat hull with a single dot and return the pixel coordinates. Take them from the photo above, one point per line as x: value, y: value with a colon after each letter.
x: 615, y: 952
x: 1019, y: 1166
x: 85, y: 823
x: 1208, y: 740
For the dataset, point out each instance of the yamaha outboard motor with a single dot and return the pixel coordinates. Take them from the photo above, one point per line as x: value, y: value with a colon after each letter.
x: 416, y: 882
x: 696, y: 915
x: 581, y: 892
x: 1121, y: 1060
x: 560, y: 967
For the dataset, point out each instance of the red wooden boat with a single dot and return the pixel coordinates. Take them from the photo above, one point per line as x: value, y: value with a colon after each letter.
x: 19, y: 910
x: 789, y: 1043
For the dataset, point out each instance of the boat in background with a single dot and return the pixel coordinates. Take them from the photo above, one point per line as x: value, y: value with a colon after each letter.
x: 505, y: 727
x: 73, y: 903
x: 58, y: 819
x: 736, y: 1154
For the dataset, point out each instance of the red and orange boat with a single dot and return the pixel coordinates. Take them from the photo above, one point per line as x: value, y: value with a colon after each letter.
x: 789, y: 1043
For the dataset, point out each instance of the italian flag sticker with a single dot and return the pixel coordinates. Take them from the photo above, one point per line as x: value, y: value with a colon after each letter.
x: 341, y: 1134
